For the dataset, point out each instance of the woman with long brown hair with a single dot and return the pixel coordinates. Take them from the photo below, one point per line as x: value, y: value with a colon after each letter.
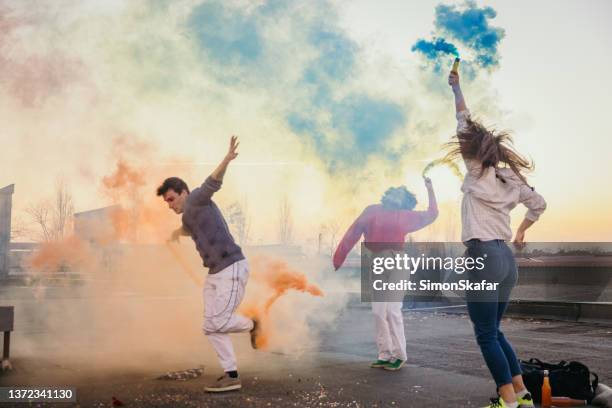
x: 494, y: 184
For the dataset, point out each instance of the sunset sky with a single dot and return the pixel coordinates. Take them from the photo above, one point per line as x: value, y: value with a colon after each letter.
x: 333, y: 102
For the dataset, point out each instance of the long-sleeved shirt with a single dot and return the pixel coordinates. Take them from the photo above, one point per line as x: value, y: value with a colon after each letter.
x: 487, y: 200
x: 380, y: 225
x: 203, y: 220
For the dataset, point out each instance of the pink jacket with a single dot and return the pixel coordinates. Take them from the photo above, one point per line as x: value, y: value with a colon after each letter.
x: 380, y: 225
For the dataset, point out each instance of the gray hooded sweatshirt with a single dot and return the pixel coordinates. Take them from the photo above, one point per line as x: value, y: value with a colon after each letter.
x: 203, y: 220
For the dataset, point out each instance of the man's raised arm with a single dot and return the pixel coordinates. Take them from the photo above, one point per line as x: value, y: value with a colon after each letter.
x: 212, y: 184
x: 219, y: 172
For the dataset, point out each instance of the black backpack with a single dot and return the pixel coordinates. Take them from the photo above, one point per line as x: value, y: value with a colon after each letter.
x: 571, y: 379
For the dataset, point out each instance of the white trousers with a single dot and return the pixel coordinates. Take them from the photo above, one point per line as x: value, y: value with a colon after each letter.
x: 390, y: 337
x: 223, y: 292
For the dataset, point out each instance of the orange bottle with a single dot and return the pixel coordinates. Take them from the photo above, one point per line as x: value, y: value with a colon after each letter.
x: 546, y: 391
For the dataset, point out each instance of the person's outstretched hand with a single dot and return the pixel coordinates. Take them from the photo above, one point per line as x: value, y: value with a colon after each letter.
x: 232, y: 152
x: 175, y: 236
x: 428, y: 183
x: 519, y: 239
x: 453, y: 79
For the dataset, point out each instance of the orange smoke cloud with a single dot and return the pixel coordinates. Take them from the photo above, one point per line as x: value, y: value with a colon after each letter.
x: 113, y: 274
x: 124, y: 177
x: 59, y: 255
x: 185, y: 266
x: 284, y: 279
x: 278, y: 278
x: 139, y: 215
x: 121, y: 221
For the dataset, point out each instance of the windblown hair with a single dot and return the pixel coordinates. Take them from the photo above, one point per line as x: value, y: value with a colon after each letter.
x: 172, y: 183
x: 489, y: 148
x: 398, y: 198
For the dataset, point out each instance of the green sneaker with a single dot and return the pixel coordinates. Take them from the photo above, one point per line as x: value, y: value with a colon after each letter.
x: 394, y: 366
x: 380, y: 363
x: 497, y: 403
x: 526, y: 401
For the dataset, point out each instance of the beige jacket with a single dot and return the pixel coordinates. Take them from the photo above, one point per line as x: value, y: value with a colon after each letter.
x: 487, y: 201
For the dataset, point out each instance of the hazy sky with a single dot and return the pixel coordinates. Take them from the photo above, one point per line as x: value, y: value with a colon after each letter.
x: 330, y: 100
x: 551, y: 87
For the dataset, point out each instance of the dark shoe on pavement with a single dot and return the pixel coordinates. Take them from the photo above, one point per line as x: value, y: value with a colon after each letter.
x: 224, y: 383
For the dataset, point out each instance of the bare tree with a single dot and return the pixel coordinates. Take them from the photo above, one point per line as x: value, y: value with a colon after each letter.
x: 240, y: 220
x: 333, y: 227
x: 328, y: 237
x: 246, y: 231
x: 19, y: 229
x: 39, y: 214
x: 321, y: 237
x: 285, y: 221
x: 53, y: 218
x: 63, y: 211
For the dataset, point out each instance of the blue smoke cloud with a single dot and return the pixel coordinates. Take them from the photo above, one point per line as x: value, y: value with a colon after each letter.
x: 358, y: 124
x: 468, y: 26
x: 471, y: 27
x: 226, y: 35
x: 364, y: 123
x: 337, y: 55
x: 435, y: 50
x: 369, y: 121
x: 334, y: 64
x: 305, y: 125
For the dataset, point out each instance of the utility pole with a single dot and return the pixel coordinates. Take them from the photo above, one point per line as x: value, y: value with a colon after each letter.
x: 6, y: 199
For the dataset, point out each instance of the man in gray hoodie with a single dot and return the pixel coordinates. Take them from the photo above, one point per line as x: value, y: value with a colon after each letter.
x: 228, y: 270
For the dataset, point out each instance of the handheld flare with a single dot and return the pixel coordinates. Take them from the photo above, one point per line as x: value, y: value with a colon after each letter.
x: 184, y: 264
x: 455, y: 67
x: 441, y: 162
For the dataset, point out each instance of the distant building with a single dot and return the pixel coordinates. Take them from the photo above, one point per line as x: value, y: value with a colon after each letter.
x: 95, y: 226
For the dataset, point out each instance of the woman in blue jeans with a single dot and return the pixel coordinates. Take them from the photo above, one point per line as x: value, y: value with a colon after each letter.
x: 493, y: 186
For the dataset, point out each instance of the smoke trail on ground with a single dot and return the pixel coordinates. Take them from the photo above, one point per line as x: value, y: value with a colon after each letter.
x: 274, y: 278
